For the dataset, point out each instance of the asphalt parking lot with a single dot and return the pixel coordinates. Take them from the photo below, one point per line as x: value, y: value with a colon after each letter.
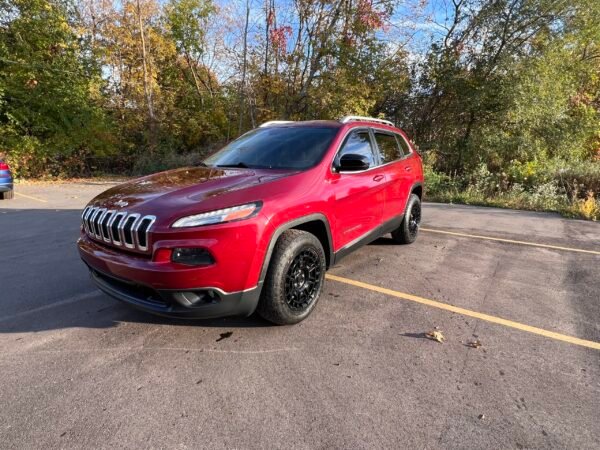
x: 80, y: 370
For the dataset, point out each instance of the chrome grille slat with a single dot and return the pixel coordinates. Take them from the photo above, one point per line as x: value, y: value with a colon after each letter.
x: 139, y: 232
x: 121, y: 225
x: 88, y: 217
x: 93, y: 221
x: 104, y: 225
x: 97, y: 220
x: 84, y: 215
x: 98, y: 223
x: 119, y: 216
x: 118, y: 228
x: 128, y: 225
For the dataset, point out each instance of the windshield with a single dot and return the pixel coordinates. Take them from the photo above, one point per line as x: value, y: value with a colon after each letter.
x: 275, y: 148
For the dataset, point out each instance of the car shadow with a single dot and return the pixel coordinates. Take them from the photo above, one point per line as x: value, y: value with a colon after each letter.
x: 45, y: 286
x: 383, y: 241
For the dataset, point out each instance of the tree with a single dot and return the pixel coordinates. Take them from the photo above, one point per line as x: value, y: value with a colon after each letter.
x: 187, y: 20
x: 49, y: 88
x: 492, y: 89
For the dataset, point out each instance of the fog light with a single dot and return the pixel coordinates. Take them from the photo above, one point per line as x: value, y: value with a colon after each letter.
x: 192, y: 256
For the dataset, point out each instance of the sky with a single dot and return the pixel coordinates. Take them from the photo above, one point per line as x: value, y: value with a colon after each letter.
x: 412, y: 25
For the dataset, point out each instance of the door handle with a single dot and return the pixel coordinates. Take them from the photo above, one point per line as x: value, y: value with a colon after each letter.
x: 408, y: 168
x: 378, y: 178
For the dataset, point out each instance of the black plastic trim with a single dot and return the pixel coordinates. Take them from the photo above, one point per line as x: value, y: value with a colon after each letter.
x: 241, y: 303
x: 414, y: 186
x: 377, y: 232
x: 289, y: 225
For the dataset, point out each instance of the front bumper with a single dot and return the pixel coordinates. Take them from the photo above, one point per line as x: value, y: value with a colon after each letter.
x: 168, y: 289
x: 208, y: 303
x: 6, y: 187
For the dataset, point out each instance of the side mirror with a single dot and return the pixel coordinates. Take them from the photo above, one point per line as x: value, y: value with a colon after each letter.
x: 351, y: 162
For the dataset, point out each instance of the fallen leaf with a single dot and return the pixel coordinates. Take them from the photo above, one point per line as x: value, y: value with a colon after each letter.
x: 474, y: 344
x: 436, y: 335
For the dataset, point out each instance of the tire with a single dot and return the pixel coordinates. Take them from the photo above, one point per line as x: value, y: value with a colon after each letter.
x: 7, y: 195
x: 294, y: 279
x: 408, y: 230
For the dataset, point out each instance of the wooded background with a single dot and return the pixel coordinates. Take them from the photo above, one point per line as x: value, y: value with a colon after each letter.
x: 502, y: 97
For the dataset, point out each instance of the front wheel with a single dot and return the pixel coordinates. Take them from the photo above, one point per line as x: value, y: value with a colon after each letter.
x: 294, y: 280
x: 408, y: 230
x: 7, y: 195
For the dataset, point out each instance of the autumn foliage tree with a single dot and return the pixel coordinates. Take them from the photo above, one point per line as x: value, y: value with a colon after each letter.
x: 50, y: 90
x: 500, y: 95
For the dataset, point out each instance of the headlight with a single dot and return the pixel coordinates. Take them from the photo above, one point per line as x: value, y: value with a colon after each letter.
x: 219, y: 216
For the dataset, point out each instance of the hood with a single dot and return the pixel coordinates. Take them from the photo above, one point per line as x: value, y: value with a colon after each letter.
x: 181, y: 188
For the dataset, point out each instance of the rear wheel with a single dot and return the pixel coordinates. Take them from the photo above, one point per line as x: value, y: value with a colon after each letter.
x: 408, y: 230
x: 7, y: 195
x: 294, y: 280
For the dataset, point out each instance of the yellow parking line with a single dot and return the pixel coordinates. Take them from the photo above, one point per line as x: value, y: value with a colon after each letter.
x: 468, y: 312
x: 31, y: 198
x: 511, y: 241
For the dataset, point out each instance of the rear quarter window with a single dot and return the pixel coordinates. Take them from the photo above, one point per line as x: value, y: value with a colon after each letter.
x: 405, y: 148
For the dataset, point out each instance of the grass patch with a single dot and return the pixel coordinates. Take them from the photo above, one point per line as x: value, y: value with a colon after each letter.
x: 486, y: 189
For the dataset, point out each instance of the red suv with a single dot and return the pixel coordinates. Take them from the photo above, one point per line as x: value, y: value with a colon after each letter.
x: 257, y: 224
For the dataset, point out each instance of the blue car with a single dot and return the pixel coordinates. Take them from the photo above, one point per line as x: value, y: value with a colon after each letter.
x: 6, y: 182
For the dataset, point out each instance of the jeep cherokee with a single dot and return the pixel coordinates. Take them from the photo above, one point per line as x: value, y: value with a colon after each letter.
x: 257, y: 224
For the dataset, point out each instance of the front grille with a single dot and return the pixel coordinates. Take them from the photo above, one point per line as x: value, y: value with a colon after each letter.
x: 117, y: 228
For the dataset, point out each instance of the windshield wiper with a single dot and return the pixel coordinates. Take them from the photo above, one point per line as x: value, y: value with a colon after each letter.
x: 201, y: 164
x: 241, y: 165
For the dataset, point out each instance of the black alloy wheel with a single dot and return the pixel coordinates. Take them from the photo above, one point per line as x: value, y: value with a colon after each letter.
x: 414, y: 220
x: 408, y: 230
x: 294, y: 279
x: 303, y: 280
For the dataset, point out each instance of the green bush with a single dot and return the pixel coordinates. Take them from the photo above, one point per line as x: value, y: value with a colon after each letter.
x: 537, y: 186
x: 579, y: 180
x: 151, y: 163
x: 437, y: 182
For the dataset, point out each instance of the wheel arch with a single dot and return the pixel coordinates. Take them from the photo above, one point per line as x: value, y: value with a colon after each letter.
x: 316, y: 224
x: 417, y: 189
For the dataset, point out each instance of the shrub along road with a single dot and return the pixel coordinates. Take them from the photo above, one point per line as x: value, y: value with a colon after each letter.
x: 81, y: 370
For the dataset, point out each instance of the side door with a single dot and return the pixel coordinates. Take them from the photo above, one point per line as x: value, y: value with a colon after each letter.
x: 397, y: 170
x: 358, y: 196
x: 413, y: 162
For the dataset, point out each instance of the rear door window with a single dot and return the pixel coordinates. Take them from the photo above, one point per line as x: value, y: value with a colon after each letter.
x: 389, y: 150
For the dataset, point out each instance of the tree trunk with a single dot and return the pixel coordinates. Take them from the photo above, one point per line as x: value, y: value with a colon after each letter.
x: 147, y: 87
x: 244, y: 64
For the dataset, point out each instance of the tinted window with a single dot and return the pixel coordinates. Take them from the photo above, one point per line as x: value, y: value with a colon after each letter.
x: 275, y: 148
x: 388, y: 147
x: 404, y: 145
x: 358, y: 143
